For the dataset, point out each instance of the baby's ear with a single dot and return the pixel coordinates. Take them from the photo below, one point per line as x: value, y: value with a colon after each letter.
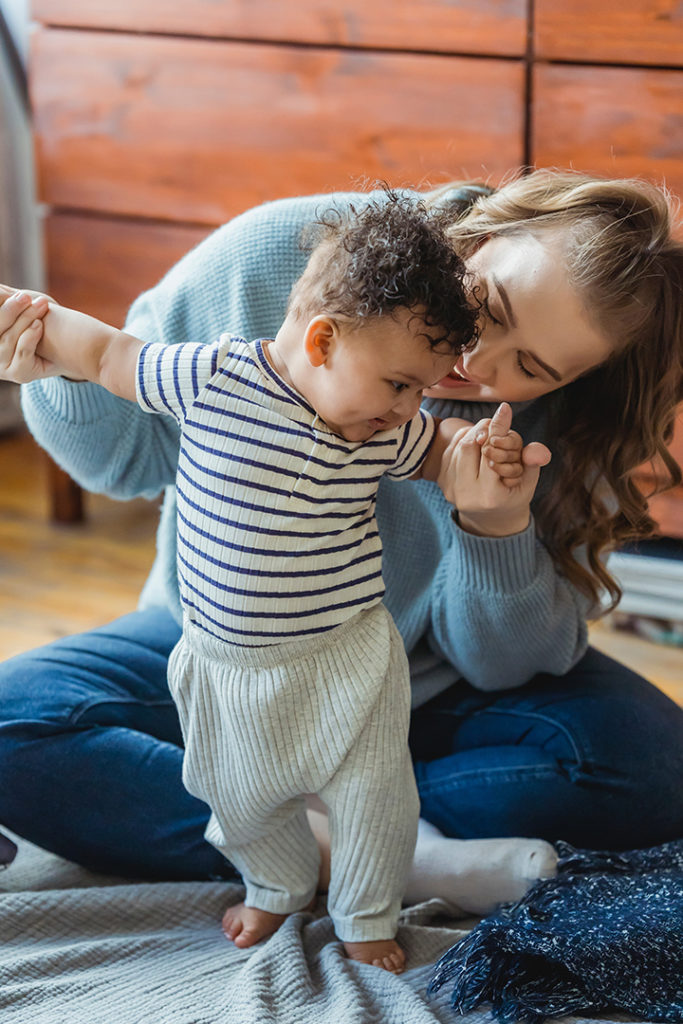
x: 318, y: 339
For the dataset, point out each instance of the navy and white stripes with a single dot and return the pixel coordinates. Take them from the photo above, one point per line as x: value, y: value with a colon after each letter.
x: 277, y: 538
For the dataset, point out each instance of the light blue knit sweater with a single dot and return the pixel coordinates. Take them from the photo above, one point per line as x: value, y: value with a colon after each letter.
x: 495, y: 611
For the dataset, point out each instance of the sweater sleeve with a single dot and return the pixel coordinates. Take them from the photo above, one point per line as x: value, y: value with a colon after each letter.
x: 501, y: 612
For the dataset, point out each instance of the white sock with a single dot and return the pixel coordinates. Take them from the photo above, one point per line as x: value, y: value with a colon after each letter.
x: 473, y: 876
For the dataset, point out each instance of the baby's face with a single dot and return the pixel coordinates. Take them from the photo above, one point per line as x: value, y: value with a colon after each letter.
x: 374, y: 376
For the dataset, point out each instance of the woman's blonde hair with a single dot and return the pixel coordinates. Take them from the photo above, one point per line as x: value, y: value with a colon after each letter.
x: 628, y: 270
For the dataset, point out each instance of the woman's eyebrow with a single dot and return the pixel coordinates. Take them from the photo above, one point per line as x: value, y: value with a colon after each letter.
x: 548, y: 369
x: 505, y: 299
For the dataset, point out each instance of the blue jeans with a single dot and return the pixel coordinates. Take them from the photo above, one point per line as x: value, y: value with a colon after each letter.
x: 91, y: 756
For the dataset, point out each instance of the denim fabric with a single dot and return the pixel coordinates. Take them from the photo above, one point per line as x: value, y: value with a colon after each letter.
x: 90, y: 756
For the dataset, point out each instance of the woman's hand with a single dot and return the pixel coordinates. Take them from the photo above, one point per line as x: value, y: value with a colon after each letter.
x: 21, y: 329
x: 487, y: 504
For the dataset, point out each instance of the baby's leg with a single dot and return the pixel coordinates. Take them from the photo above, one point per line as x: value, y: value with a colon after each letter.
x: 232, y: 764
x: 373, y: 805
x: 280, y: 870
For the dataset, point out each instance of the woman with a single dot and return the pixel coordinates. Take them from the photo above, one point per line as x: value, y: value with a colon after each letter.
x: 518, y: 729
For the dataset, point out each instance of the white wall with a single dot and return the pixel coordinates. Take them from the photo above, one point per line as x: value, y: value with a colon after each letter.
x: 21, y: 262
x: 16, y: 16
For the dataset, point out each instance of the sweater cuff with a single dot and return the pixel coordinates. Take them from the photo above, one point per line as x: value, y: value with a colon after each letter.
x: 65, y: 400
x: 496, y: 563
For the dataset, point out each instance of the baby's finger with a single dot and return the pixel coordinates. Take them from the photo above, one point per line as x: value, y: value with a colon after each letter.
x: 497, y: 455
x: 508, y: 470
x: 510, y: 440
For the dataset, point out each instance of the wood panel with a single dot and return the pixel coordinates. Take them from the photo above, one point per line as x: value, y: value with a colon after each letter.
x: 196, y: 130
x: 456, y: 26
x: 100, y: 264
x: 614, y: 121
x: 629, y: 32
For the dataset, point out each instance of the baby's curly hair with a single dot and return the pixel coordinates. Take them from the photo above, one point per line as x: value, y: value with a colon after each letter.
x: 388, y: 254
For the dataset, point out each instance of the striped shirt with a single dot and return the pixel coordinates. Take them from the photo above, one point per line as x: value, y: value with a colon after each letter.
x: 277, y: 537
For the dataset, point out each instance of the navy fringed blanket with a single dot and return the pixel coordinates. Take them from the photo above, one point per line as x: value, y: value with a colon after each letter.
x: 606, y: 933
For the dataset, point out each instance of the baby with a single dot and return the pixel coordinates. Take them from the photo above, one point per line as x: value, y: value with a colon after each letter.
x: 290, y: 677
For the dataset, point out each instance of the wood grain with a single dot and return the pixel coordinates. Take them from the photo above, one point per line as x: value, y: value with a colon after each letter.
x: 629, y: 32
x: 621, y: 122
x: 60, y: 579
x: 100, y: 264
x: 455, y: 26
x: 196, y: 131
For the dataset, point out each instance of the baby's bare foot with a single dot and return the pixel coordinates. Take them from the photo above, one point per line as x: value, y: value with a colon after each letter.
x: 247, y: 925
x: 384, y: 953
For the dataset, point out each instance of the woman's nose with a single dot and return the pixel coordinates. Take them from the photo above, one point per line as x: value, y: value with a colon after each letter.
x: 480, y: 364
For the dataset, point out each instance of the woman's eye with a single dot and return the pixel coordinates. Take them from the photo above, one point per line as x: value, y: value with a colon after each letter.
x: 520, y: 364
x: 398, y: 385
x: 489, y: 315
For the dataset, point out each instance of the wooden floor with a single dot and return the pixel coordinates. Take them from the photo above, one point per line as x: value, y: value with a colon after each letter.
x: 56, y: 580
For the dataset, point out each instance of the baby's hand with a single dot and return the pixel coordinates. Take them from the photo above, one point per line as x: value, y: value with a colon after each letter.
x: 21, y: 328
x: 502, y: 448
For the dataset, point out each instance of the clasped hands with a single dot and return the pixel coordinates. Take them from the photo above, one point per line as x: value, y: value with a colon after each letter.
x: 489, y: 476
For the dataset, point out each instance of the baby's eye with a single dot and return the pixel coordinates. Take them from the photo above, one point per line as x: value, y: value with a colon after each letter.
x: 398, y: 385
x: 520, y: 364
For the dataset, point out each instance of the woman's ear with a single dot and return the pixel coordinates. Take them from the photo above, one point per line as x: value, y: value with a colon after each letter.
x: 318, y: 339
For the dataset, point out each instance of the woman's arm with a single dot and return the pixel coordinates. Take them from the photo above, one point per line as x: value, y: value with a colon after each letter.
x: 500, y: 611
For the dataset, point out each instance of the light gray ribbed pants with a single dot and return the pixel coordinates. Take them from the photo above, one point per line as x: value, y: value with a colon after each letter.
x: 329, y: 715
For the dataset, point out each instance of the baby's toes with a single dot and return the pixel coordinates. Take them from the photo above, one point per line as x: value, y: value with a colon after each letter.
x: 231, y: 924
x: 246, y: 937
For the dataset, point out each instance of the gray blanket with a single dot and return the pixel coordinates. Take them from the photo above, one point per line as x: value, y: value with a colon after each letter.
x: 79, y: 949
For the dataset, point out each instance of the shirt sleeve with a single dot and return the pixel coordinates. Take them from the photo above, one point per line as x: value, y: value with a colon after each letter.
x: 170, y: 377
x: 415, y: 439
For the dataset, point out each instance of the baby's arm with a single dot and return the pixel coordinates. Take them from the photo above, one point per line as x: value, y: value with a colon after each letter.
x: 61, y: 340
x: 501, y: 446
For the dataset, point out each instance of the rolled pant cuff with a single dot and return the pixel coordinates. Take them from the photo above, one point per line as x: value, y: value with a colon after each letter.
x: 276, y: 902
x: 349, y: 930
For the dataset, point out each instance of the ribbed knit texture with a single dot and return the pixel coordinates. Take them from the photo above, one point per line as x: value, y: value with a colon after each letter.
x: 277, y: 537
x: 494, y: 611
x: 326, y: 715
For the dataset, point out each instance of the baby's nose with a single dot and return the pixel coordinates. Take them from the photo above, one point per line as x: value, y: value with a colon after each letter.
x: 408, y: 405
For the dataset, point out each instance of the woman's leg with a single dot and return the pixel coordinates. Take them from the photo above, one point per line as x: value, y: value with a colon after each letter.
x: 594, y: 757
x: 91, y: 754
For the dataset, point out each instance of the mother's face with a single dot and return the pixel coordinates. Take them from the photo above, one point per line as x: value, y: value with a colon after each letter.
x: 535, y: 333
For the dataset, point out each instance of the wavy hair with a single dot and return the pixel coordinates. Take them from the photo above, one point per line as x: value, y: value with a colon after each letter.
x: 628, y: 271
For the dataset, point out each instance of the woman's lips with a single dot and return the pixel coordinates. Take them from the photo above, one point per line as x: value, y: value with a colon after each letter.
x: 454, y: 380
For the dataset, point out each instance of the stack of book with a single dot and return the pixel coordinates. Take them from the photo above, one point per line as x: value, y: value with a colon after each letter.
x: 651, y: 577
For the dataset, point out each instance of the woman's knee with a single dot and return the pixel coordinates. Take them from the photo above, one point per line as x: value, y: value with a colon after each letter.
x: 112, y: 676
